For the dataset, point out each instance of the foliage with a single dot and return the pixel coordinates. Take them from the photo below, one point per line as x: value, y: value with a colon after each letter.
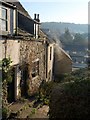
x: 70, y: 99
x: 58, y: 28
x: 67, y: 37
x: 6, y: 69
x: 88, y: 62
x: 33, y: 111
x: 44, y: 92
x: 73, y: 76
x: 78, y: 39
x: 5, y: 112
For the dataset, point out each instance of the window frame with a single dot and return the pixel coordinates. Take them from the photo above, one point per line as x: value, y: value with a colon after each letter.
x: 35, y: 68
x: 2, y: 19
x: 50, y: 53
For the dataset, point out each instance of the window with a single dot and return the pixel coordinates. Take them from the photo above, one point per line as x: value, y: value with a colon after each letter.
x: 3, y: 19
x: 50, y: 53
x: 35, y: 68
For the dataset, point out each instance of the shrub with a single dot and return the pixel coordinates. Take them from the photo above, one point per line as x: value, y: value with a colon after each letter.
x: 6, y: 70
x: 44, y: 92
x: 71, y: 100
x: 5, y: 112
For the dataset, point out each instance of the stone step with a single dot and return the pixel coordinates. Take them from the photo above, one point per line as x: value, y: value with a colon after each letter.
x: 14, y: 108
x: 25, y: 113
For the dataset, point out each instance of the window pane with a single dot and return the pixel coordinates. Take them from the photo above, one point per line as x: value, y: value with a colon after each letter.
x: 50, y: 53
x: 35, y: 69
x: 0, y: 12
x: 4, y: 14
x: 3, y: 25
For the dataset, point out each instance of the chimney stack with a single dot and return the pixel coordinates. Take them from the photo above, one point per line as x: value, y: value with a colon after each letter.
x: 34, y: 16
x: 38, y: 16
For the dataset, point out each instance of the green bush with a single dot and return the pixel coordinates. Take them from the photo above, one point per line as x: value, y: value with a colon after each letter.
x: 44, y: 92
x: 6, y: 70
x: 5, y: 112
x: 71, y: 100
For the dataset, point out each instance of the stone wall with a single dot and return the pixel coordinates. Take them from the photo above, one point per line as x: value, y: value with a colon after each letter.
x: 29, y: 52
x: 23, y: 53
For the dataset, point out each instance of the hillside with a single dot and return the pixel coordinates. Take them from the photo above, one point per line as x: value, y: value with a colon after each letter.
x: 60, y: 26
x: 66, y: 33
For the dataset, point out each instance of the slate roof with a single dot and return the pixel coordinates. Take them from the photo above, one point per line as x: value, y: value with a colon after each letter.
x: 21, y: 8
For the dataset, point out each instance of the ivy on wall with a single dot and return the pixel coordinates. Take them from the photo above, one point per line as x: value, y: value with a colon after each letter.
x: 6, y: 70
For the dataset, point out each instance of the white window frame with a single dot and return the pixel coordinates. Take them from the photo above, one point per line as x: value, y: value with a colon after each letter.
x: 4, y: 19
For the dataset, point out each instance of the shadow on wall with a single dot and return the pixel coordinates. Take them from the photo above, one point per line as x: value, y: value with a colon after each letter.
x: 62, y: 62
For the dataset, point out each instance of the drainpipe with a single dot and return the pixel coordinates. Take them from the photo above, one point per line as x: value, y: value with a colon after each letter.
x: 47, y: 59
x: 16, y: 22
x: 5, y: 47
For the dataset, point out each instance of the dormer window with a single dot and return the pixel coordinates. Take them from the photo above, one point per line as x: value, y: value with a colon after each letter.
x: 8, y: 19
x: 3, y: 19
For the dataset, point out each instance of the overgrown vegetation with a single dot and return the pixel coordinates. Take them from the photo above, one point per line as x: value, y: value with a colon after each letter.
x: 75, y: 75
x: 44, y: 92
x: 6, y: 70
x: 6, y: 79
x: 70, y: 98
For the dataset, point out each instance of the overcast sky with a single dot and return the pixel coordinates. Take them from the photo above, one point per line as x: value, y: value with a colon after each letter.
x: 73, y: 11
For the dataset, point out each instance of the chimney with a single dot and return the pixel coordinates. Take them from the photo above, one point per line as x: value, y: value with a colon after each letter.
x: 38, y: 16
x: 34, y: 16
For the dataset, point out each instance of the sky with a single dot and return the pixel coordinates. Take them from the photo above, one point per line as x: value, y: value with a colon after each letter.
x: 72, y: 11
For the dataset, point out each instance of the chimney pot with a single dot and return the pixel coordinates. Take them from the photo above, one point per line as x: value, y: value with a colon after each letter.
x: 38, y: 16
x: 34, y: 16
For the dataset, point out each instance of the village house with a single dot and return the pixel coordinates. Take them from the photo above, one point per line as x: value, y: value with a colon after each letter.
x: 27, y: 46
x: 35, y: 58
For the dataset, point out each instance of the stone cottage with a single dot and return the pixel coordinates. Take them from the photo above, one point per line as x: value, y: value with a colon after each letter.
x: 27, y: 46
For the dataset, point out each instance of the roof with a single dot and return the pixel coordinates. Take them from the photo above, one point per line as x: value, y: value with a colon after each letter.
x: 21, y: 8
x: 23, y: 33
x: 59, y: 50
x: 18, y: 5
x: 22, y: 11
x: 8, y: 4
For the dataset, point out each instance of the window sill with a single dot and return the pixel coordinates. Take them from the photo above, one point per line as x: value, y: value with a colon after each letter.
x: 4, y: 33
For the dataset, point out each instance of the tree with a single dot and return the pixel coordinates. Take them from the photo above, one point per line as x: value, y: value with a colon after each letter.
x: 66, y: 38
x: 79, y: 39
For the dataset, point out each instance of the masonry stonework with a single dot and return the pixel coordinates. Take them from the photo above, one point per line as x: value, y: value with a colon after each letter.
x: 29, y: 52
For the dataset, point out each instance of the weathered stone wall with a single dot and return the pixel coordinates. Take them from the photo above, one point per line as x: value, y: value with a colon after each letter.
x: 23, y: 53
x: 30, y: 51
